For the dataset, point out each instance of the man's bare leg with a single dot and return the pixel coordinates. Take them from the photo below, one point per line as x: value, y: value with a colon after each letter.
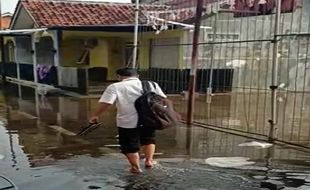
x: 134, y: 160
x: 149, y: 151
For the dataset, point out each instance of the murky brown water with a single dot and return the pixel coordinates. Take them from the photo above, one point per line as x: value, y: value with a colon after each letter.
x: 40, y: 151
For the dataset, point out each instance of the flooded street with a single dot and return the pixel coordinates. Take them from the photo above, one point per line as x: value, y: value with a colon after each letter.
x: 40, y: 151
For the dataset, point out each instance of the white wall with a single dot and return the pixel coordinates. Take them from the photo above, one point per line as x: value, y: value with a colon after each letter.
x: 165, y: 56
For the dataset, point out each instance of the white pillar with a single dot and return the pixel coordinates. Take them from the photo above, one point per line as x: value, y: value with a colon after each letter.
x: 18, y: 68
x: 56, y: 47
x: 18, y: 77
x: 34, y: 56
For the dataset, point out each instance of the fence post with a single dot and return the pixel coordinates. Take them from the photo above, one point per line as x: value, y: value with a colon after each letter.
x: 209, y: 89
x: 193, y: 71
x: 275, y: 64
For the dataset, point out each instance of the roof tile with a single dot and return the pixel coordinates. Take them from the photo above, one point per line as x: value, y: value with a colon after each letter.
x: 49, y: 13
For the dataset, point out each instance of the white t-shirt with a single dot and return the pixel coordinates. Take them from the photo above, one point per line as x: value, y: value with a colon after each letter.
x: 125, y: 93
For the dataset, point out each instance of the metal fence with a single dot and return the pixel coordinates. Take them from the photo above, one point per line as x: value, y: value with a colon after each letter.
x: 256, y: 66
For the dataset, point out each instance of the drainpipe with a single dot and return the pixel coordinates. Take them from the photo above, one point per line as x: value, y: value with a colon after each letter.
x: 275, y: 64
x: 135, y: 41
x: 193, y: 71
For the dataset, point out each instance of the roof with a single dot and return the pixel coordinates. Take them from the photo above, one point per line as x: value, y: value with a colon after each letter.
x: 7, y: 14
x: 49, y: 13
x: 5, y: 20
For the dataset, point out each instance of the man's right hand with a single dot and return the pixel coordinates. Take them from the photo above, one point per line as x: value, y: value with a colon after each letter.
x: 93, y: 119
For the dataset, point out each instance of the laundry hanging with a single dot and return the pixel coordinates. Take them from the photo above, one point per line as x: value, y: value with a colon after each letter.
x: 47, y: 74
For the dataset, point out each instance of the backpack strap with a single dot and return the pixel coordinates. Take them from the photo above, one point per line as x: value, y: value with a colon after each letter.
x: 153, y: 83
x: 147, y: 87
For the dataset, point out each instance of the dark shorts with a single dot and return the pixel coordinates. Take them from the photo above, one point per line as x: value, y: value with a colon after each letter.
x: 131, y: 139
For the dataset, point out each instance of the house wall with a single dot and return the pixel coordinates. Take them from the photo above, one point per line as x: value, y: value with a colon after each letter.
x: 20, y: 54
x: 71, y: 50
x: 106, y: 57
x: 99, y: 56
x: 109, y: 52
x: 147, y: 49
x: 45, y: 51
x: 23, y: 21
x: 165, y: 56
x: 252, y: 61
x: 23, y: 49
x: 116, y: 56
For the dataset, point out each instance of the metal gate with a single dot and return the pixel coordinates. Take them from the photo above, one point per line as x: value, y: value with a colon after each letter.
x: 253, y: 68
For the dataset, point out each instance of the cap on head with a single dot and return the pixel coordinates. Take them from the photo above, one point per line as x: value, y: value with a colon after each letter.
x: 127, y: 72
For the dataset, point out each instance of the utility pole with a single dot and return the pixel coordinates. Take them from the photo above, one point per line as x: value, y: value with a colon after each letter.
x: 193, y: 71
x: 136, y: 30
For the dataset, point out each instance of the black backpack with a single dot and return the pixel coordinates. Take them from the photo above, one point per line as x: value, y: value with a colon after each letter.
x: 154, y: 111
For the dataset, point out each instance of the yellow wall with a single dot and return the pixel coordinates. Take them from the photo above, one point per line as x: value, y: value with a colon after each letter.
x: 99, y: 56
x: 144, y: 54
x: 72, y: 34
x: 164, y: 34
x: 72, y: 49
x: 110, y: 50
x: 116, y: 55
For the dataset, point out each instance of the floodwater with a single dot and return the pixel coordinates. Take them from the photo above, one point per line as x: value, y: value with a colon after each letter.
x: 39, y: 151
x: 250, y: 111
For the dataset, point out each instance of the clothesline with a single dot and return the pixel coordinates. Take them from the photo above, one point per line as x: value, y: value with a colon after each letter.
x: 176, y: 23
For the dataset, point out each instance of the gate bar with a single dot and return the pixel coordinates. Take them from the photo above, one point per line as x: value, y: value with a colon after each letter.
x: 275, y: 65
x: 193, y: 71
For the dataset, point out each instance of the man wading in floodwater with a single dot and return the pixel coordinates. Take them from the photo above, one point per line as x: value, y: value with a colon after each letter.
x: 125, y: 93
